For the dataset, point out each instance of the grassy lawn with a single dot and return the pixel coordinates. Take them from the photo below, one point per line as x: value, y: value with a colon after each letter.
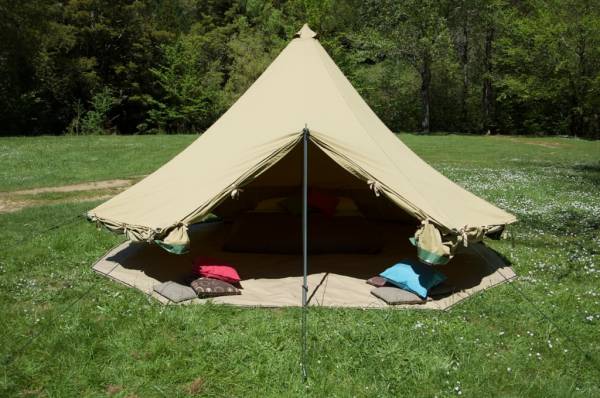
x: 74, y: 333
x: 49, y: 161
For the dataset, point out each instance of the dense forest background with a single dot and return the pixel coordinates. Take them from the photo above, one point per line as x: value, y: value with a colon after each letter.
x: 174, y: 66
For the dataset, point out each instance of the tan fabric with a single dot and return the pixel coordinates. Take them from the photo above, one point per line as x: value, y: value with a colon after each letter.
x: 429, y: 240
x: 178, y: 236
x: 302, y: 87
x: 275, y: 280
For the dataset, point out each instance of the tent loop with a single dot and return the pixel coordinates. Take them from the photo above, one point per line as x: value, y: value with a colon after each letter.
x: 463, y: 234
x: 375, y: 187
x: 235, y: 193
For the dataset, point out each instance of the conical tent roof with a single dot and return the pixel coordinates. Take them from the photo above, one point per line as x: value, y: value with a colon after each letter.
x: 302, y: 87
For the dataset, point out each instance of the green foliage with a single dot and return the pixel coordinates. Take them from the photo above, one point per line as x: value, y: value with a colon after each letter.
x: 96, y: 119
x: 204, y: 71
x: 549, y: 64
x: 190, y: 85
x: 22, y: 26
x: 530, y: 67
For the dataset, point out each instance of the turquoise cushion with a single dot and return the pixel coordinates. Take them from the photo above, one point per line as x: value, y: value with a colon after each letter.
x: 414, y: 277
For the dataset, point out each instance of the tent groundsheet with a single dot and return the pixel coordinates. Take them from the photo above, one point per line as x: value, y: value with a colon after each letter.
x: 270, y: 280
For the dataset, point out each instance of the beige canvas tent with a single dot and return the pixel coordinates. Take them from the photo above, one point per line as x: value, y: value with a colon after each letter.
x: 255, y: 152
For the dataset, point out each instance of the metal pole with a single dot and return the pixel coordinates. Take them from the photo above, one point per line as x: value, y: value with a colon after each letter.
x: 304, y: 249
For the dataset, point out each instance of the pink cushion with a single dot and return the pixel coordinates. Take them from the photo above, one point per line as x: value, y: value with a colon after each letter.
x: 211, y: 268
x: 325, y: 202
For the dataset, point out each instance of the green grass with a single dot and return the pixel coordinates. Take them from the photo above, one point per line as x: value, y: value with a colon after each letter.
x: 48, y: 161
x: 116, y: 341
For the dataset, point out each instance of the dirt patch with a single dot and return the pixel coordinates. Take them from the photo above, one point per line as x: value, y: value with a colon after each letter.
x: 113, y: 389
x: 91, y: 191
x: 195, y: 387
x: 9, y: 205
x: 552, y: 145
x: 86, y: 186
x: 545, y: 144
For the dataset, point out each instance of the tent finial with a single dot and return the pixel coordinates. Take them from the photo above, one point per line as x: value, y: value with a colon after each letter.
x: 306, y: 32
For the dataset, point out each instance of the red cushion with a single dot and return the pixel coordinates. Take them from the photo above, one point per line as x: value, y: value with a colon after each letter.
x: 211, y: 268
x: 325, y: 202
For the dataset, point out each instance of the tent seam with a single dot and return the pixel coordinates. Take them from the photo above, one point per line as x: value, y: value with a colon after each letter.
x: 366, y: 131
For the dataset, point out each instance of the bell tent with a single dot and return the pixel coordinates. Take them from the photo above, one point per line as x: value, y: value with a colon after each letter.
x: 301, y: 128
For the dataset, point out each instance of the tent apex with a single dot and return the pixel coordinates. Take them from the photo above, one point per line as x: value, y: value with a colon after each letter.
x: 306, y: 32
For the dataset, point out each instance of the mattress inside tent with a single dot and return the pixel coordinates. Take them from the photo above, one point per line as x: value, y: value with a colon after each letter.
x: 275, y: 280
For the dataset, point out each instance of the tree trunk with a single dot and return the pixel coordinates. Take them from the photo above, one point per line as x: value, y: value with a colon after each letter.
x: 578, y: 87
x: 464, y: 59
x: 488, y: 99
x: 425, y: 90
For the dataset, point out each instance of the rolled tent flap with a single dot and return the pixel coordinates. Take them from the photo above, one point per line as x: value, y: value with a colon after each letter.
x: 132, y: 232
x: 430, y: 247
x: 433, y: 248
x: 177, y: 241
x: 174, y: 240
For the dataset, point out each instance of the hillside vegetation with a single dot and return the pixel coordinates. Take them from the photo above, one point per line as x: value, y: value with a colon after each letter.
x: 146, y: 66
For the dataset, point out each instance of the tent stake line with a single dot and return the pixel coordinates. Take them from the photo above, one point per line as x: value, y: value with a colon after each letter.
x: 305, y: 138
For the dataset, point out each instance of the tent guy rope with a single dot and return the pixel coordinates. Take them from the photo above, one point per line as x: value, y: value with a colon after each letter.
x: 544, y: 315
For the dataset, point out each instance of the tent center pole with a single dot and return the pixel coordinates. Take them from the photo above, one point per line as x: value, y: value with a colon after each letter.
x: 305, y: 138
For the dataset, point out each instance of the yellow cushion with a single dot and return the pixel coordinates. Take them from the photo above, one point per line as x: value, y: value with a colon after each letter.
x: 346, y: 207
x: 271, y: 205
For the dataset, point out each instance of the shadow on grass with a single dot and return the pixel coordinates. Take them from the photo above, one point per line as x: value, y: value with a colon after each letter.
x: 562, y: 223
x: 589, y: 171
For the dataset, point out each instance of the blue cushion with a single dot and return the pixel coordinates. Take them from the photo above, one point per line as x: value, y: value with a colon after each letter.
x: 414, y: 277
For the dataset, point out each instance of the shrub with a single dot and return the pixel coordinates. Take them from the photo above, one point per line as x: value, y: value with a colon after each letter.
x: 96, y: 119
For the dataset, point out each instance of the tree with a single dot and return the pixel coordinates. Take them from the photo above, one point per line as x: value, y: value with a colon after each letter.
x: 22, y: 24
x: 190, y: 81
x: 529, y: 66
x: 578, y: 26
x: 412, y: 31
x: 549, y: 67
